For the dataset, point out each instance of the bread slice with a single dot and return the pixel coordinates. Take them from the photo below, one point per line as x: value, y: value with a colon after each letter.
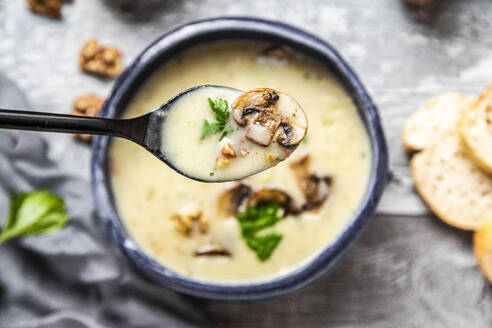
x: 482, y: 245
x: 475, y: 129
x: 456, y: 190
x: 438, y: 116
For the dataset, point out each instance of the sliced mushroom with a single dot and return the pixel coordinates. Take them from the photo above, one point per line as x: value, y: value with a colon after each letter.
x: 264, y: 110
x: 268, y: 195
x: 230, y: 201
x: 212, y: 250
x: 251, y: 102
x: 256, y: 109
x: 263, y: 128
x: 314, y: 188
x: 294, y: 122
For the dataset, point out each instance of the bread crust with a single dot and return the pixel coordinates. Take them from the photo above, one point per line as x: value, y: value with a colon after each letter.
x: 451, y: 185
x: 436, y: 117
x: 475, y: 130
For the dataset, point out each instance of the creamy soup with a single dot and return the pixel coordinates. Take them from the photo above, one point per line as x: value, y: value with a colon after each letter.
x: 271, y: 223
x: 203, y: 140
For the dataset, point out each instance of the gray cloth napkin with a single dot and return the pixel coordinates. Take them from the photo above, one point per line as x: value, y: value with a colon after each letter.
x: 72, y: 278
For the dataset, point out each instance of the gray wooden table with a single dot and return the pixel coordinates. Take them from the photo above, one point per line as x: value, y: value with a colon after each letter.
x: 408, y: 269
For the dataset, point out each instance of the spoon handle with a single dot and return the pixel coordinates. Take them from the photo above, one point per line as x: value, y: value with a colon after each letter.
x: 49, y: 122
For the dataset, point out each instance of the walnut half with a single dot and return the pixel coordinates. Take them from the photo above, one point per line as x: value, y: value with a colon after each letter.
x: 48, y: 8
x: 99, y: 60
x: 87, y: 105
x: 189, y: 219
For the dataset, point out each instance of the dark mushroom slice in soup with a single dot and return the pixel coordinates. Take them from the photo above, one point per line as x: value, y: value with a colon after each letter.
x: 212, y: 249
x: 230, y: 201
x: 274, y: 195
x: 263, y: 111
x: 316, y: 189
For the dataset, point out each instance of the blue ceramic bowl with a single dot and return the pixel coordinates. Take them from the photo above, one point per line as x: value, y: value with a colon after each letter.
x: 248, y: 29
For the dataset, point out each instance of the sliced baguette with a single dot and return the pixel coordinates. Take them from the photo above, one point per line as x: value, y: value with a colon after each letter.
x: 475, y: 129
x: 438, y: 116
x: 452, y: 186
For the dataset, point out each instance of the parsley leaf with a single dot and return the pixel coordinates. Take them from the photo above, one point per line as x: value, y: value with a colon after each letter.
x: 227, y: 130
x: 253, y: 220
x: 220, y: 109
x: 33, y: 213
x: 209, y: 128
x: 264, y: 245
x: 257, y: 218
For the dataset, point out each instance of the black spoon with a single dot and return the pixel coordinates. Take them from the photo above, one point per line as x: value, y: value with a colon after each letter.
x: 145, y: 130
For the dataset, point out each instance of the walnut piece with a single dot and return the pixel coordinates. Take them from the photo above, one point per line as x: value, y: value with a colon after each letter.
x: 188, y: 219
x: 99, y: 60
x: 228, y: 151
x: 87, y: 105
x: 222, y: 162
x: 48, y: 8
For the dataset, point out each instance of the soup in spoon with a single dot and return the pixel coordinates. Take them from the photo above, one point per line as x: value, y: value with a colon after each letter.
x: 216, y: 133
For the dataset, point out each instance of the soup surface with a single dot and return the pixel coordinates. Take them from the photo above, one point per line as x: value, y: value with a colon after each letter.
x: 215, y: 133
x: 271, y: 223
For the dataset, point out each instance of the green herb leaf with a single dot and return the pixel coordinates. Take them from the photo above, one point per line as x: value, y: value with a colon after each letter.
x: 258, y: 218
x: 209, y: 128
x: 264, y: 245
x: 220, y: 109
x: 253, y: 220
x: 228, y: 129
x: 34, y: 213
x: 222, y: 136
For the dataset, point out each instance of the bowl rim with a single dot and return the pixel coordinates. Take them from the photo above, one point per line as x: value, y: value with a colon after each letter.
x: 263, y: 29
